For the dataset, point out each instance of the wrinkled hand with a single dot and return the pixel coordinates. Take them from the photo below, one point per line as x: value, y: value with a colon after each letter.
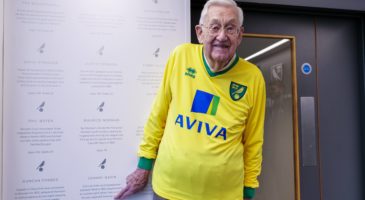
x: 136, y: 181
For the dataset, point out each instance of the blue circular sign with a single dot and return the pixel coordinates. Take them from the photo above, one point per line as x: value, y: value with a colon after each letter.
x: 306, y: 69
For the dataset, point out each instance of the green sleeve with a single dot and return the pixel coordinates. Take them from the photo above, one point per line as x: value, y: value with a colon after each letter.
x: 248, y: 192
x: 145, y: 163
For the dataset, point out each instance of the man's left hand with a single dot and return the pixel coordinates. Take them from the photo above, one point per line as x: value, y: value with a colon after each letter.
x: 135, y: 183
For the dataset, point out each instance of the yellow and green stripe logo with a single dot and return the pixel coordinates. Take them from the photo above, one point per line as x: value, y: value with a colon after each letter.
x: 205, y: 102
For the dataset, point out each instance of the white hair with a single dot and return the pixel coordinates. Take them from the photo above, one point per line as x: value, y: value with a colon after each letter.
x: 222, y: 3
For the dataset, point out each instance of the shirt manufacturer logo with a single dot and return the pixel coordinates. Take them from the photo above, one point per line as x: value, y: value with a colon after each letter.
x: 190, y: 72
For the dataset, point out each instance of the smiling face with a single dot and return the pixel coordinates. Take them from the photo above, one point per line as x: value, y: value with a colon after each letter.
x: 220, y: 45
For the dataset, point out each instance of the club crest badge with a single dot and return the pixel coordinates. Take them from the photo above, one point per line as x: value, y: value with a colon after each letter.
x: 237, y: 91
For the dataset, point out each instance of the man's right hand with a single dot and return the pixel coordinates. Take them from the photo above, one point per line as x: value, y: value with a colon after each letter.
x: 136, y: 181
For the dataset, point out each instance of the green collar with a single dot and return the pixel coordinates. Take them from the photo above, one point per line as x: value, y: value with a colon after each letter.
x: 212, y: 74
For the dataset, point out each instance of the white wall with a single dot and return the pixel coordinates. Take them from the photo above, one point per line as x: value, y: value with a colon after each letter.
x: 79, y: 81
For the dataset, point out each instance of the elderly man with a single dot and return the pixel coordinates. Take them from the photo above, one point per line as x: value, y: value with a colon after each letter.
x: 205, y: 131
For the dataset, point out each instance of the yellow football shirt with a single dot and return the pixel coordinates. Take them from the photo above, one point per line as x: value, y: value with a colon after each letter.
x: 205, y: 129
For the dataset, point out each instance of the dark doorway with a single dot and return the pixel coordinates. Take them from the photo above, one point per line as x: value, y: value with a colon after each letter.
x: 332, y: 46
